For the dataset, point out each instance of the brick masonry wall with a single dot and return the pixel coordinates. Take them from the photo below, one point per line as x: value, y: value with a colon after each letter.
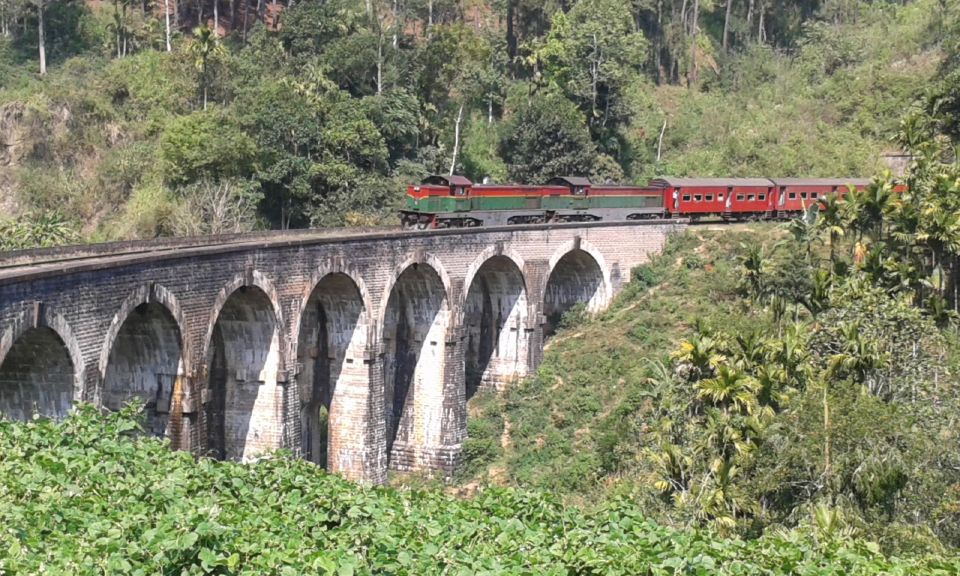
x: 86, y: 304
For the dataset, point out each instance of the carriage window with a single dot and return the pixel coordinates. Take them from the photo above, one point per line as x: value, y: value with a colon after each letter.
x: 697, y: 198
x: 813, y: 194
x: 763, y: 197
x: 459, y: 191
x: 579, y: 191
x: 709, y: 197
x: 740, y: 197
x: 686, y: 197
x: 793, y: 195
x: 720, y: 197
x: 750, y: 198
x: 803, y: 194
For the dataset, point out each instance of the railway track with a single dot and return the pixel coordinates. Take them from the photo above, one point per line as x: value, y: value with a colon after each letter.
x: 22, y: 263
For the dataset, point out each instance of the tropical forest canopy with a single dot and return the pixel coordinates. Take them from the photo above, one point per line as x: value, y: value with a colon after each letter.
x: 136, y: 119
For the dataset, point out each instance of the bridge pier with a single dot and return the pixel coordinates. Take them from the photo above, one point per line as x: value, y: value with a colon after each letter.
x: 359, y: 353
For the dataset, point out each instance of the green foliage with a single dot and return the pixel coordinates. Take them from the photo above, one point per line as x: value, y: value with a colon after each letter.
x: 347, y: 102
x: 89, y: 496
x: 205, y: 144
x: 546, y: 136
x: 592, y: 54
x: 36, y: 231
x: 801, y: 392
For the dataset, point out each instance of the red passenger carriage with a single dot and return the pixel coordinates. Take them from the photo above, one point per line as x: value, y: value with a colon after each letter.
x: 729, y: 198
x: 795, y: 195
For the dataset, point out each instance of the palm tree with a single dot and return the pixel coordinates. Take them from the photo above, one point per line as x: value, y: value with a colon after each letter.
x: 818, y: 299
x: 833, y: 220
x: 205, y: 49
x: 875, y: 202
x: 754, y: 264
x: 700, y: 355
x: 803, y: 229
x: 940, y: 232
x: 729, y: 389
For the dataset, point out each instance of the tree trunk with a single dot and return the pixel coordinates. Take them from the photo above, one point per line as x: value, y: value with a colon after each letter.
x: 380, y: 62
x: 41, y: 38
x: 683, y: 17
x: 117, y: 22
x: 456, y: 140
x: 726, y: 24
x: 511, y: 33
x: 216, y: 19
x: 123, y: 28
x: 166, y: 17
x: 749, y: 17
x: 761, y: 38
x: 660, y: 140
x: 826, y: 429
x: 396, y: 26
x: 694, y: 30
x: 658, y: 43
x: 490, y: 111
x: 246, y: 9
x: 594, y: 78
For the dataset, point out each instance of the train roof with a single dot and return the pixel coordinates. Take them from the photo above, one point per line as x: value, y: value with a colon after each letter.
x: 444, y: 180
x: 706, y: 182
x: 570, y: 181
x: 820, y: 181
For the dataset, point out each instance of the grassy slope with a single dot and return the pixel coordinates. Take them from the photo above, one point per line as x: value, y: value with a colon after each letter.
x: 828, y: 109
x: 557, y: 430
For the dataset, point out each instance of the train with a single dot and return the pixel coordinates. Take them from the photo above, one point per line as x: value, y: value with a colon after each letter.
x: 456, y: 202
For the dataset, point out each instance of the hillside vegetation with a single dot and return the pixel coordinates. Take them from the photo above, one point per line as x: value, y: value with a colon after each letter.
x: 86, y: 496
x: 750, y: 378
x: 321, y: 116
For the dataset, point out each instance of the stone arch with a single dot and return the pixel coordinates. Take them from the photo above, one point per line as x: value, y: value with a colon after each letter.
x: 333, y: 368
x: 420, y: 258
x: 144, y: 357
x: 495, y: 323
x: 481, y: 259
x: 244, y: 365
x: 251, y: 278
x: 415, y: 330
x: 577, y: 274
x: 41, y: 366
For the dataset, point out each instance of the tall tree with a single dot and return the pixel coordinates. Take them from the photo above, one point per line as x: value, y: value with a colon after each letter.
x: 41, y: 6
x: 547, y: 136
x: 206, y: 48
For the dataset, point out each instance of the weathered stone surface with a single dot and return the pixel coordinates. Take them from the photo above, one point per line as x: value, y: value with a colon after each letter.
x: 357, y: 352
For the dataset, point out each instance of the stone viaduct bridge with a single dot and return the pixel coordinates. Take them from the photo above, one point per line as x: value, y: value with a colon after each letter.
x: 358, y: 351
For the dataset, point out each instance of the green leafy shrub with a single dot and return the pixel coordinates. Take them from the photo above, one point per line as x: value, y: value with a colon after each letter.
x: 91, y: 496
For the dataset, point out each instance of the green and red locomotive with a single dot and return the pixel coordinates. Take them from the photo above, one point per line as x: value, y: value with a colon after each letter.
x: 455, y: 201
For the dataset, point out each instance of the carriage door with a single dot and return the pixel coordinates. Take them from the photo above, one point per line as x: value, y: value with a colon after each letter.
x: 461, y: 199
x: 579, y: 200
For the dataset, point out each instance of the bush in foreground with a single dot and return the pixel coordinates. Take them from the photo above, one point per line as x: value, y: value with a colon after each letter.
x: 89, y: 496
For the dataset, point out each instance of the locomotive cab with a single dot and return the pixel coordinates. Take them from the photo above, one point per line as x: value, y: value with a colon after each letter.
x: 577, y: 200
x: 459, y: 186
x: 578, y: 186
